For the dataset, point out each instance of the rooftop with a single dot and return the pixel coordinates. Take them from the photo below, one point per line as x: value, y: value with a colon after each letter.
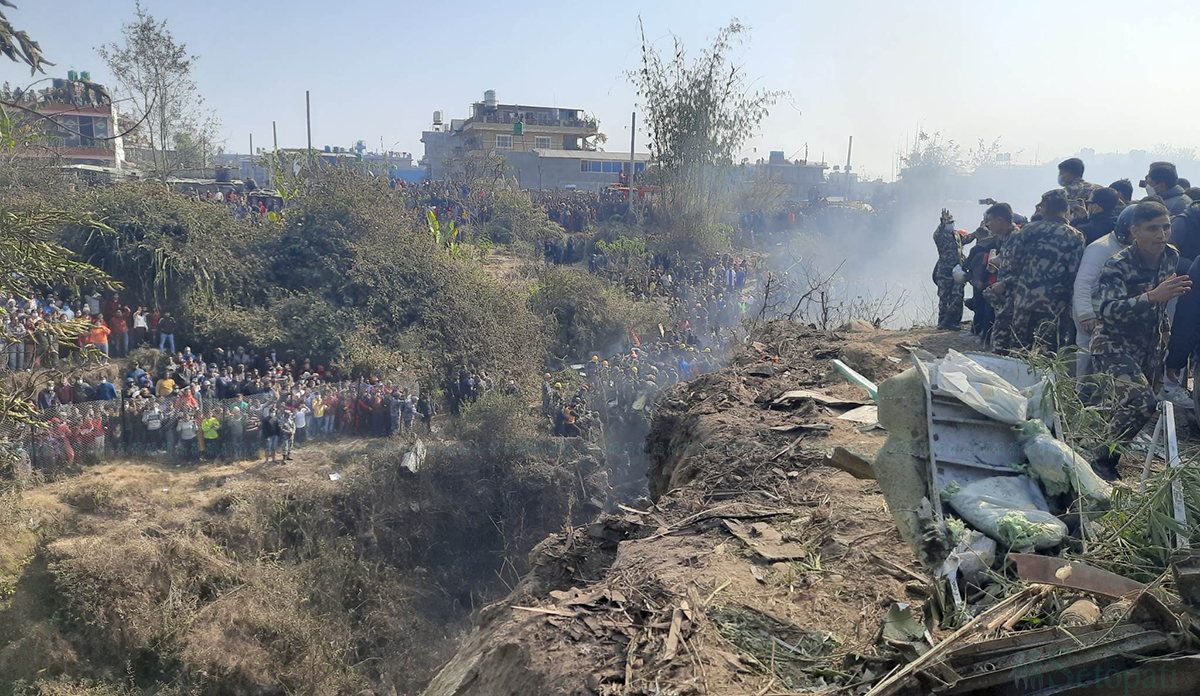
x: 591, y: 155
x: 61, y: 92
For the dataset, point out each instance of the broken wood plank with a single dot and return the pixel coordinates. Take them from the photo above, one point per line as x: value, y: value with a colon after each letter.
x: 766, y: 541
x: 549, y: 611
x: 892, y: 565
x: 787, y: 398
x: 801, y: 426
x: 850, y: 463
x: 867, y: 415
x: 673, y: 635
x: 894, y: 681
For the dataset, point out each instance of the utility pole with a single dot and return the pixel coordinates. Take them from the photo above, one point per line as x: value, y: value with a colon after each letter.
x: 849, y: 150
x: 274, y: 137
x: 251, y: 154
x: 308, y: 122
x: 632, y: 136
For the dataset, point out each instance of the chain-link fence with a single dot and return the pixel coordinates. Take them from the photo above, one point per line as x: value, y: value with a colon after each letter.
x: 184, y: 427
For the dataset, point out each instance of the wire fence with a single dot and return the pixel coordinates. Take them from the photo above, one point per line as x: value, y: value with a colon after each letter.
x: 184, y: 427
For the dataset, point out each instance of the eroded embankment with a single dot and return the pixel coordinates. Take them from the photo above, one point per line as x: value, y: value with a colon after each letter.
x: 247, y: 578
x: 669, y: 599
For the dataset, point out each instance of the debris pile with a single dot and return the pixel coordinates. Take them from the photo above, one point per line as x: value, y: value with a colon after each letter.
x: 980, y: 486
x: 774, y: 554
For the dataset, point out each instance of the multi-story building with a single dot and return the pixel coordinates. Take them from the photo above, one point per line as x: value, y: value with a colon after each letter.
x: 798, y: 178
x: 506, y: 129
x: 80, y: 120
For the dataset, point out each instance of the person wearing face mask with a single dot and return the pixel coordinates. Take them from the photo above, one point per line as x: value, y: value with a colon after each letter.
x: 1102, y: 210
x: 1163, y: 181
x: 1132, y: 294
x: 1039, y: 271
x: 1070, y: 177
x: 949, y: 243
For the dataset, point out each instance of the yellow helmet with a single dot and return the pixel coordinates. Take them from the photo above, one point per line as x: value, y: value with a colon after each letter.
x: 558, y: 385
x: 634, y: 370
x: 595, y: 358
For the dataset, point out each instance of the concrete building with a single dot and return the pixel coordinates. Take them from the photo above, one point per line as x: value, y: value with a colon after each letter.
x: 797, y: 177
x: 507, y: 129
x: 585, y: 170
x: 81, y: 126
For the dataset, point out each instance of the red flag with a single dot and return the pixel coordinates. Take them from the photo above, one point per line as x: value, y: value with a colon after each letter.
x: 636, y: 340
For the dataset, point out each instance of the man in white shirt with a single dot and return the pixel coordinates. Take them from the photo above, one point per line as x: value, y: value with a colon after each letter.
x: 1083, y: 307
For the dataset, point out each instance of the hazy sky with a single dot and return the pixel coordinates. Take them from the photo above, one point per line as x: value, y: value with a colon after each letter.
x: 1046, y: 77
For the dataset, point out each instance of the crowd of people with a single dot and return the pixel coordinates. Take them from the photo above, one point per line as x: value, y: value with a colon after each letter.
x: 34, y: 321
x: 615, y: 389
x: 1095, y: 269
x: 233, y: 405
x: 242, y: 205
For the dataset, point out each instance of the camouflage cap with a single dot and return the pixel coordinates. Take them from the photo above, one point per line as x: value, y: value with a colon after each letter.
x: 1053, y: 194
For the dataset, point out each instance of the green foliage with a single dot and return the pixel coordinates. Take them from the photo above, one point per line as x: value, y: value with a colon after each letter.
x: 500, y: 427
x: 351, y: 239
x: 169, y: 248
x: 623, y: 245
x: 585, y: 314
x: 515, y: 218
x: 19, y: 47
x: 445, y: 236
x: 699, y: 115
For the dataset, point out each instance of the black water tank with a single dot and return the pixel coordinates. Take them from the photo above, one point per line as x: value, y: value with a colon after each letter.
x: 224, y: 175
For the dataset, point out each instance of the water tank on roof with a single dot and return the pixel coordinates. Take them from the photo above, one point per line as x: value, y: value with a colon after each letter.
x: 85, y: 75
x: 437, y: 118
x: 776, y: 157
x: 489, y: 98
x: 328, y: 149
x: 72, y: 75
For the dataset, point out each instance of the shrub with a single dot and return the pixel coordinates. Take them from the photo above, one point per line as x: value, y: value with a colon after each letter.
x: 585, y: 314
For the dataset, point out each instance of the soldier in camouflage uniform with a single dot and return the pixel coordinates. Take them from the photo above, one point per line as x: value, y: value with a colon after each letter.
x: 1039, y: 274
x: 950, y: 291
x: 999, y: 222
x: 1134, y: 288
x: 1070, y: 177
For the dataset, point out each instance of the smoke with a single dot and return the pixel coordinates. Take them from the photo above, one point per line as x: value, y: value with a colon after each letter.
x: 889, y: 254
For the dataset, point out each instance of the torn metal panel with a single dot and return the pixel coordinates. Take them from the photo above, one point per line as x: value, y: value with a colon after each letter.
x: 1037, y: 666
x: 1051, y: 570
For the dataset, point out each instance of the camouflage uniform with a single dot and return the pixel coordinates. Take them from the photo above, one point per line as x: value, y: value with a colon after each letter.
x: 1039, y: 276
x: 1001, y: 304
x: 1080, y: 190
x: 950, y: 291
x: 1127, y: 344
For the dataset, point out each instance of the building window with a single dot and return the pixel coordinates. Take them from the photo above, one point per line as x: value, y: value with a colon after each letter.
x: 504, y: 142
x: 612, y: 167
x: 583, y: 165
x: 541, y: 142
x: 596, y: 167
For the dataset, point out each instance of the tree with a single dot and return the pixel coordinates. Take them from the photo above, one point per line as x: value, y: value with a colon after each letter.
x: 18, y: 46
x: 699, y: 115
x: 156, y: 72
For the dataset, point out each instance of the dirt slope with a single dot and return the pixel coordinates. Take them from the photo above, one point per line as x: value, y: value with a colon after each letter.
x: 665, y: 599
